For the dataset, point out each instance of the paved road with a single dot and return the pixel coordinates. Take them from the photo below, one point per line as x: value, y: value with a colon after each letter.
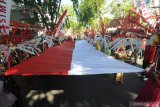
x: 80, y: 91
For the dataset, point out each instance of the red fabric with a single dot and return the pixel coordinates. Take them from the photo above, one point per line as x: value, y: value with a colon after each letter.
x: 151, y: 90
x: 93, y: 34
x: 86, y: 33
x: 54, y: 61
x: 150, y: 54
x: 121, y: 50
x: 59, y: 22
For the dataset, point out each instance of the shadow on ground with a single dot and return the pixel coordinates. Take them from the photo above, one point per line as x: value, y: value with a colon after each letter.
x: 78, y: 91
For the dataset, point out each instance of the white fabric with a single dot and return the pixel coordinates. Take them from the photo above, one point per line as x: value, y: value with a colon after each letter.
x: 87, y: 60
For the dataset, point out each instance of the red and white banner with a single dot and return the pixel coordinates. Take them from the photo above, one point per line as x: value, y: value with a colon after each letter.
x: 72, y: 58
x: 145, y: 12
x: 5, y: 10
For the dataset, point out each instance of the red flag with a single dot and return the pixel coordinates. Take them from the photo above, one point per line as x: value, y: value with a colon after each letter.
x: 59, y: 22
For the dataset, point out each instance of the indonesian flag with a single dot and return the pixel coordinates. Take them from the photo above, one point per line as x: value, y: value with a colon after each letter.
x: 72, y: 58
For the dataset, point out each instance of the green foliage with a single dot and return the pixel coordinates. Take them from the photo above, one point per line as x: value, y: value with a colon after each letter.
x: 93, y: 22
x: 93, y: 13
x: 120, y: 8
x: 89, y: 9
x: 43, y: 7
x: 18, y: 1
x: 75, y: 6
x: 71, y: 22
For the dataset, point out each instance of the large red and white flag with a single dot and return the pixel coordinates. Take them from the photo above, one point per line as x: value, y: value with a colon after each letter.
x: 71, y: 58
x: 5, y: 10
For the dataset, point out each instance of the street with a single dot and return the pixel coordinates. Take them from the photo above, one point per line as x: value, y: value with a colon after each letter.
x: 80, y: 91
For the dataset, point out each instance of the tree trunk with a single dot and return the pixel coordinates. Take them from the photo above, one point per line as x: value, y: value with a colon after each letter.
x: 51, y: 9
x: 57, y: 12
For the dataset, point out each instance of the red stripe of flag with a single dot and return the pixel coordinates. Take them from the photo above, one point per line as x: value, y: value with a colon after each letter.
x: 54, y: 61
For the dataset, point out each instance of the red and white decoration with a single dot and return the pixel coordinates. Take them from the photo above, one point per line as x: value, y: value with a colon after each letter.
x: 5, y: 10
x: 60, y: 22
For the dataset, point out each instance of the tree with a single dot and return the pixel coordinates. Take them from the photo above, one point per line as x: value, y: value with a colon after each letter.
x: 104, y: 24
x: 120, y: 8
x: 88, y: 9
x: 46, y: 11
x: 71, y: 23
x: 75, y: 6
